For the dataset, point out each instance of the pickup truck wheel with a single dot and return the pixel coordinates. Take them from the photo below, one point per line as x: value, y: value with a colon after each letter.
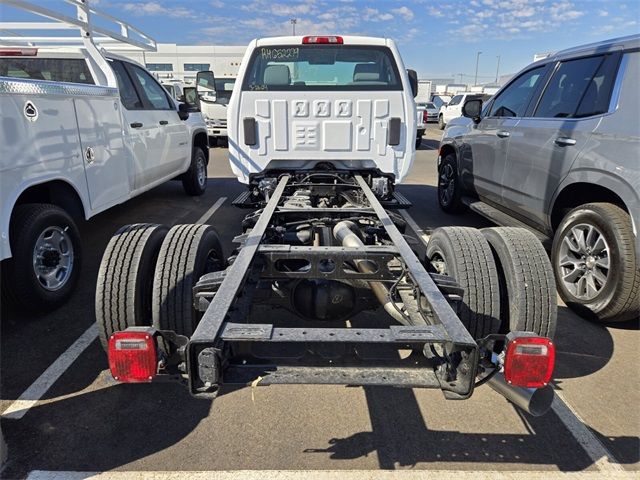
x: 187, y: 253
x: 46, y: 258
x: 528, y: 290
x: 449, y: 188
x: 441, y: 123
x: 594, y: 259
x: 464, y: 254
x: 125, y: 278
x: 194, y: 180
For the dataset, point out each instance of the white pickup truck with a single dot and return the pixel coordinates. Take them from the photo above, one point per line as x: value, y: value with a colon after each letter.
x: 214, y: 98
x: 81, y: 131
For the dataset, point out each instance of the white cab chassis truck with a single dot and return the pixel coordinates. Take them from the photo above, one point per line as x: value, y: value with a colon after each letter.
x: 80, y: 132
x: 323, y: 286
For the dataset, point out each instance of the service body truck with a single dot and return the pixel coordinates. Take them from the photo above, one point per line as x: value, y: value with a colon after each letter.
x: 323, y: 286
x: 81, y: 131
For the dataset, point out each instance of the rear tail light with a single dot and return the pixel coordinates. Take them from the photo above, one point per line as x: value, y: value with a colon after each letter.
x: 18, y: 52
x: 425, y: 116
x: 529, y: 361
x: 133, y: 356
x: 314, y: 39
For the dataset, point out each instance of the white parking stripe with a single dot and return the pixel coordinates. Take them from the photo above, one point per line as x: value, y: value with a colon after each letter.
x: 38, y: 388
x: 329, y: 475
x: 603, y: 459
x: 211, y: 211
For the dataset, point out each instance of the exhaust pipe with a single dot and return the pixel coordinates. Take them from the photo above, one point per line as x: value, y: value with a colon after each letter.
x: 535, y: 401
x: 344, y: 232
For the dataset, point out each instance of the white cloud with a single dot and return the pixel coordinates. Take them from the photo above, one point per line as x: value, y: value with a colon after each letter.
x: 434, y: 12
x: 404, y: 12
x: 156, y: 8
x: 603, y: 13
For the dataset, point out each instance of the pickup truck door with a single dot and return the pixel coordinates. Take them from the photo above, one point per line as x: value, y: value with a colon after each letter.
x: 139, y: 125
x: 484, y: 158
x: 545, y: 143
x: 168, y: 146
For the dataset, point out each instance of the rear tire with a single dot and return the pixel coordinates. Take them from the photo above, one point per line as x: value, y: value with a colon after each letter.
x: 597, y: 273
x: 46, y: 258
x: 125, y: 279
x: 187, y: 253
x: 528, y: 293
x: 464, y: 254
x: 194, y: 180
x: 449, y: 187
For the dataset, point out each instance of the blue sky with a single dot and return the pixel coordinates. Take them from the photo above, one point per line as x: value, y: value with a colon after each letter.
x: 436, y: 38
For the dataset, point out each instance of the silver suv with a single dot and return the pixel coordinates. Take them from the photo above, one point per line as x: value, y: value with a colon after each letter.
x: 557, y: 150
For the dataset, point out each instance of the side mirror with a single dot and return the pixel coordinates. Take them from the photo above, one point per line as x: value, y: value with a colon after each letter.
x: 206, y: 85
x: 413, y: 81
x: 472, y: 108
x: 183, y: 111
x: 191, y: 98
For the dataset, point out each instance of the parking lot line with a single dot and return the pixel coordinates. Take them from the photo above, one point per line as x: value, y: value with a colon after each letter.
x: 211, y: 211
x: 328, y: 475
x: 38, y: 388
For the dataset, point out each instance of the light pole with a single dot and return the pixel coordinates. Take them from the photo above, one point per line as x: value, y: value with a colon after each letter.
x: 497, y: 69
x: 293, y: 25
x: 475, y: 82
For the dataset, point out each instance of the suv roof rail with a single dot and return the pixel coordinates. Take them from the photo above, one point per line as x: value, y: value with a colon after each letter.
x: 84, y: 22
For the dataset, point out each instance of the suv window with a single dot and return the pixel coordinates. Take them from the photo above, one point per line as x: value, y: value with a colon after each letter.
x: 128, y: 95
x: 578, y: 88
x: 74, y: 70
x: 322, y: 68
x: 152, y: 90
x: 513, y: 101
x: 455, y: 100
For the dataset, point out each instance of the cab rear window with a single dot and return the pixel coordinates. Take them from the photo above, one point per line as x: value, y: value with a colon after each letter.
x: 322, y: 67
x: 72, y: 70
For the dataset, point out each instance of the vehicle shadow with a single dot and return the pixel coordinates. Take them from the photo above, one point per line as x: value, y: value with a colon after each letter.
x: 399, y: 438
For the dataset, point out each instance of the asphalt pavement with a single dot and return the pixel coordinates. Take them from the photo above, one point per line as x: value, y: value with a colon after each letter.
x: 63, y: 413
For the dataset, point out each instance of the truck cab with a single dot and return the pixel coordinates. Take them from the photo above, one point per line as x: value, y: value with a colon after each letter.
x: 340, y: 100
x: 214, y: 97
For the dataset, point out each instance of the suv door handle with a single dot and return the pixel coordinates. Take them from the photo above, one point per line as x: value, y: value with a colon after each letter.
x: 565, y: 142
x: 164, y: 122
x: 135, y: 125
x: 503, y: 134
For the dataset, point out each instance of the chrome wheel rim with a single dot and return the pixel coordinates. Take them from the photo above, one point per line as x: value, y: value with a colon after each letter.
x: 584, y: 261
x: 53, y: 258
x: 446, y: 184
x: 201, y: 171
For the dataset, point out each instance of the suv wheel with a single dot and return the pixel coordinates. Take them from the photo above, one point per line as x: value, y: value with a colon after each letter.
x: 441, y: 123
x: 194, y: 180
x: 595, y: 263
x: 449, y: 188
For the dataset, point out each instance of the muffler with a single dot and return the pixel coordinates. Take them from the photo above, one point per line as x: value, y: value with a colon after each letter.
x: 344, y: 232
x: 535, y: 401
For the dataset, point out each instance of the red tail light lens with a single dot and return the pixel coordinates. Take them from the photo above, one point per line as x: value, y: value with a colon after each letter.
x: 132, y: 356
x: 18, y: 52
x: 529, y: 361
x: 425, y: 116
x: 332, y: 39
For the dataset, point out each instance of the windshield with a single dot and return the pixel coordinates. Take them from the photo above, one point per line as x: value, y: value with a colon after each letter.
x: 321, y: 67
x: 224, y: 87
x: 430, y: 105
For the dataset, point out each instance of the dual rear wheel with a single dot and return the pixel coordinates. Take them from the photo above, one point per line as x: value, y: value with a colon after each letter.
x: 506, y: 275
x: 147, y: 277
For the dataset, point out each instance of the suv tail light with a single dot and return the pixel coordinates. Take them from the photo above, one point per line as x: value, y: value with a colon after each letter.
x: 529, y: 361
x: 425, y: 116
x: 314, y: 39
x: 18, y: 52
x: 133, y: 356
